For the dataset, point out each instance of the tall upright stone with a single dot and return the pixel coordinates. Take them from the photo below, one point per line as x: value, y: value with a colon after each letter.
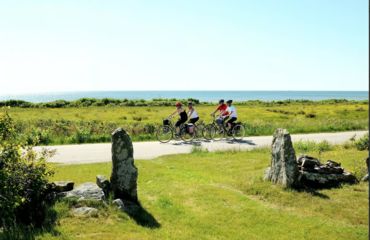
x: 124, y: 173
x: 284, y: 168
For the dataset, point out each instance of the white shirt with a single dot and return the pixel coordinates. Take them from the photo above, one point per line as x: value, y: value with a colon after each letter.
x: 232, y: 110
x: 194, y: 114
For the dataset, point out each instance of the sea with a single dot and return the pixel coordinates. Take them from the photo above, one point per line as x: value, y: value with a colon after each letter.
x: 209, y: 96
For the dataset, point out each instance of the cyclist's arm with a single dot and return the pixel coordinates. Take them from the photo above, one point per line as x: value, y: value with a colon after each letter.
x: 172, y: 114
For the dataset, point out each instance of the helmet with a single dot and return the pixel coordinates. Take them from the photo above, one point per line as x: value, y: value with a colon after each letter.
x: 229, y: 101
x: 178, y: 104
x: 221, y: 101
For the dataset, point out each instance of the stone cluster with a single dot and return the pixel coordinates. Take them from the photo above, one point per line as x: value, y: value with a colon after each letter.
x: 305, y: 171
x: 122, y: 185
x: 313, y: 173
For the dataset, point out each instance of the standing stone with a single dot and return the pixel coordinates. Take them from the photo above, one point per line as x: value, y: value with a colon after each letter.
x: 284, y: 168
x: 124, y: 173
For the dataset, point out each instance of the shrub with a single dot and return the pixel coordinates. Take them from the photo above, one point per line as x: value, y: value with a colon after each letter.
x: 362, y: 143
x: 311, y: 146
x: 24, y: 193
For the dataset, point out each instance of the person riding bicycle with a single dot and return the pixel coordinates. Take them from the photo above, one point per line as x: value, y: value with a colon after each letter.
x: 232, y: 114
x: 182, y: 114
x: 192, y: 114
x: 223, y: 112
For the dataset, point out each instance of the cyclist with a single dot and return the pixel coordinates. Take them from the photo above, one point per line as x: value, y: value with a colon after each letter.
x: 223, y: 110
x: 232, y: 114
x: 192, y: 114
x: 182, y: 114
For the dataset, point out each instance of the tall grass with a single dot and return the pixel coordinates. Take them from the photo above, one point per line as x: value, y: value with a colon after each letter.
x: 95, y: 123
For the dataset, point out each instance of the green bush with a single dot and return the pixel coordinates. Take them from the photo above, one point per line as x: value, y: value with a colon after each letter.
x: 362, y: 143
x: 311, y: 146
x: 24, y: 193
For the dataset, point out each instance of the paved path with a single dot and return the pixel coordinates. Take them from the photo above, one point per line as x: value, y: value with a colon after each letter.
x: 101, y: 152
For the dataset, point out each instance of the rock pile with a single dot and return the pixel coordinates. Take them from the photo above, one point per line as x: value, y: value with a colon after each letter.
x: 122, y: 184
x: 306, y: 171
x: 313, y: 173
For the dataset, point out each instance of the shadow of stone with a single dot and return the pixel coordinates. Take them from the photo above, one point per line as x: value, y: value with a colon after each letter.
x: 140, y: 215
x: 313, y: 192
x: 24, y: 232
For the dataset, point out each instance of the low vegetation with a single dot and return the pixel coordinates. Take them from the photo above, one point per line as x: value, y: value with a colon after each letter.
x: 82, y: 121
x: 222, y: 195
x: 24, y: 198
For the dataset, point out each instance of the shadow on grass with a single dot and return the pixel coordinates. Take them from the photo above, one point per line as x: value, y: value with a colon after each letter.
x: 140, y: 215
x: 313, y: 192
x: 23, y: 232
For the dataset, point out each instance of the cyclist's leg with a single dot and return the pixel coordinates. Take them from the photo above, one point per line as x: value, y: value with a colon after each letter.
x: 178, y: 124
x: 224, y: 120
x: 231, y: 121
x: 194, y: 120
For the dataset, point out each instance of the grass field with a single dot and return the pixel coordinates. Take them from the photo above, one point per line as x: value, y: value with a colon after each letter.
x: 222, y: 196
x: 94, y: 124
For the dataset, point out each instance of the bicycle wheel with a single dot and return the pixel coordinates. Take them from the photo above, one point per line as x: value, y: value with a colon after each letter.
x: 209, y: 131
x: 199, y: 130
x: 164, y: 134
x: 238, y: 132
x: 185, y: 135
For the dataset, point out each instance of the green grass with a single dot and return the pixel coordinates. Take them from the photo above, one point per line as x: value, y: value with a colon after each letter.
x: 222, y: 195
x: 94, y: 124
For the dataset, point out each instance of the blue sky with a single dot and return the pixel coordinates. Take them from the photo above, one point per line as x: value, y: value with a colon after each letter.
x: 183, y: 45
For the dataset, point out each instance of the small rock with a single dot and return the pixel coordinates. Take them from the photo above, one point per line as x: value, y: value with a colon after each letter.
x: 87, y: 191
x: 365, y: 178
x: 103, y: 183
x: 331, y: 163
x: 320, y: 180
x: 308, y: 161
x: 62, y: 186
x: 85, y: 212
x: 118, y: 203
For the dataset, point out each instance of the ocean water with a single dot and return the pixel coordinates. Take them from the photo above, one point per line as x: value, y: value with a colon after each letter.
x: 211, y: 96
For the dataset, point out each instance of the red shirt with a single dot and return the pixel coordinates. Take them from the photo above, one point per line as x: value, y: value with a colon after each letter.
x: 223, y: 108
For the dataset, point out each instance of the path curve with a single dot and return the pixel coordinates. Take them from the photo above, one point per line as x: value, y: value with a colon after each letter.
x: 101, y: 152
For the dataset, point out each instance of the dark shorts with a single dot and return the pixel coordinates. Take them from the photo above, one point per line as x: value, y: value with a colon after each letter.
x: 194, y: 120
x: 232, y: 120
x: 183, y: 119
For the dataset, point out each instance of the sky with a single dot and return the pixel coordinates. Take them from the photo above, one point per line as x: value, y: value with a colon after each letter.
x: 50, y: 46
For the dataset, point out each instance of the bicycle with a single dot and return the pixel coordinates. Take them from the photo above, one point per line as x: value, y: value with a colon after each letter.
x: 198, y: 128
x: 166, y: 132
x: 213, y: 130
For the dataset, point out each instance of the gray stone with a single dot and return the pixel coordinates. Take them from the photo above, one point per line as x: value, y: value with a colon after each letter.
x: 284, y: 168
x: 124, y: 173
x: 62, y: 186
x: 103, y: 183
x: 118, y: 203
x: 365, y: 178
x: 320, y: 180
x: 85, y: 212
x: 87, y: 191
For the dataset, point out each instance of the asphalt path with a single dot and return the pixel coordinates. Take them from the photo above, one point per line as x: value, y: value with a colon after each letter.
x: 101, y: 152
